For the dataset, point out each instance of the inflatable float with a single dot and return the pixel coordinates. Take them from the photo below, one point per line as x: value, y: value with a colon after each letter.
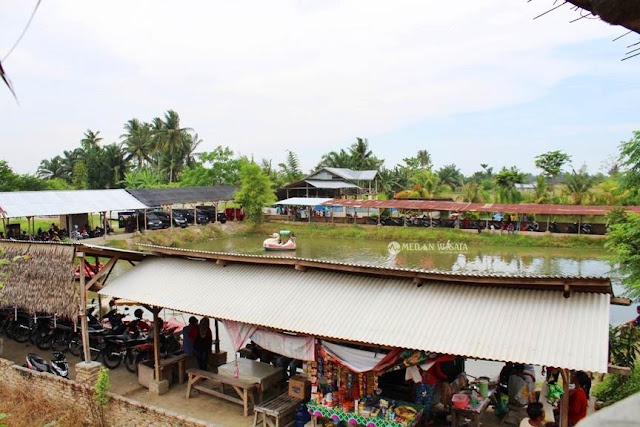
x: 283, y: 241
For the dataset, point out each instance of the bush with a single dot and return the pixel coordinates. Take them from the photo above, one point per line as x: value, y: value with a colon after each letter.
x: 617, y: 387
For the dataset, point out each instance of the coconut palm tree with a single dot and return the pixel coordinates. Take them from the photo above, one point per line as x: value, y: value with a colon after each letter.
x: 191, y: 144
x: 451, y: 176
x: 69, y: 160
x: 90, y: 140
x: 424, y: 159
x: 335, y: 159
x: 116, y: 161
x: 138, y: 142
x: 472, y: 193
x: 171, y: 139
x: 290, y: 169
x: 429, y: 183
x: 362, y: 157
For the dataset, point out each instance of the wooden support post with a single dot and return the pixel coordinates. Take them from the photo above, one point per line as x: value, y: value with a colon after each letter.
x: 145, y: 220
x: 216, y: 343
x: 171, y: 216
x: 579, y: 223
x: 548, y: 222
x: 83, y: 308
x: 105, y: 225
x: 564, y: 404
x: 156, y: 344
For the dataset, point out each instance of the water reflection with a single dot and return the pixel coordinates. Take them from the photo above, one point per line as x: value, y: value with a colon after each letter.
x: 475, y: 259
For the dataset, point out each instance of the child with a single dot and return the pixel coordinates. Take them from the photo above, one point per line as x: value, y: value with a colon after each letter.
x: 535, y: 415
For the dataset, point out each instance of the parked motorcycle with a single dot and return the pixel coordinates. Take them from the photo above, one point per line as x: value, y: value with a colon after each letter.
x: 533, y: 226
x: 57, y: 366
x: 584, y: 228
x: 553, y: 227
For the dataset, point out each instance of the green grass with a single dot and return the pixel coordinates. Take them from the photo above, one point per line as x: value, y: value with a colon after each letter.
x: 420, y: 234
x: 45, y: 223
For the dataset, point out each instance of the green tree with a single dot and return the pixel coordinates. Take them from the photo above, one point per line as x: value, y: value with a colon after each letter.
x: 552, y: 162
x: 472, y: 193
x: 138, y: 142
x: 218, y: 167
x: 623, y: 241
x: 90, y: 140
x: 255, y: 192
x: 143, y: 178
x: 540, y: 191
x: 422, y: 160
x: 51, y: 169
x: 335, y: 159
x: 505, y: 185
x: 171, y: 140
x: 429, y: 184
x: 79, y: 176
x: 114, y: 157
x: 362, y: 157
x: 578, y: 185
x: 630, y: 164
x: 290, y: 168
x: 451, y: 176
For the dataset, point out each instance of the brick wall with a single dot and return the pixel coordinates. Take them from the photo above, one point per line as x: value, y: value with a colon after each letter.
x: 121, y: 411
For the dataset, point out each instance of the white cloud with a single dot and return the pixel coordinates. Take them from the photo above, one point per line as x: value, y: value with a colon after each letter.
x: 266, y: 76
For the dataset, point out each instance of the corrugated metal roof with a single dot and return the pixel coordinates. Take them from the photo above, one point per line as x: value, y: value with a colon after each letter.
x: 42, y: 203
x: 170, y: 196
x: 318, y: 183
x: 481, y: 207
x: 366, y: 175
x: 303, y: 201
x: 518, y: 325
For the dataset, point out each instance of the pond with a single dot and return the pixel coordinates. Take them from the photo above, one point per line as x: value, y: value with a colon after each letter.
x: 455, y: 256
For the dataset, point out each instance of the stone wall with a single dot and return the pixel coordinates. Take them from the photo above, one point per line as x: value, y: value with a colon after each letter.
x: 121, y: 411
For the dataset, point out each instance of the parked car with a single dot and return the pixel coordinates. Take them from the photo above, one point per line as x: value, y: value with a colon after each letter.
x: 179, y: 221
x: 203, y: 218
x: 154, y: 222
x: 222, y: 217
x: 185, y: 213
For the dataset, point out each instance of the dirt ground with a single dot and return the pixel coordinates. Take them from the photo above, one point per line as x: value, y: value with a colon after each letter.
x: 203, y: 407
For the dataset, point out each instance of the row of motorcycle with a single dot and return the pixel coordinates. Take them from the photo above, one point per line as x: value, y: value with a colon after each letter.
x: 111, y: 337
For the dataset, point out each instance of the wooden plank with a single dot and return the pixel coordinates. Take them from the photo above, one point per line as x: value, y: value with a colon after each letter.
x: 221, y: 378
x: 105, y: 270
x: 621, y: 301
x: 219, y: 394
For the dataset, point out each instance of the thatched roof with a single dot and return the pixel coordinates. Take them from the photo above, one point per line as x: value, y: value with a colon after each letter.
x: 42, y: 283
x: 615, y: 12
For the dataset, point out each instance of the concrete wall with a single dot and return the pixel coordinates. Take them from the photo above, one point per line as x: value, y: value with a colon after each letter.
x: 121, y: 411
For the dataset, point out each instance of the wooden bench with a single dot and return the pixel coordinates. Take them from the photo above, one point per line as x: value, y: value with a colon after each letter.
x: 270, y: 413
x: 244, y: 389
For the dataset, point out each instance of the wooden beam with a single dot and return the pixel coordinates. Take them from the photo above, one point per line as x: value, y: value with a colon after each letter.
x: 621, y: 301
x: 222, y: 263
x: 156, y: 344
x: 105, y: 270
x: 564, y: 403
x: 84, y: 324
x: 620, y: 370
x: 566, y: 292
x: 300, y: 267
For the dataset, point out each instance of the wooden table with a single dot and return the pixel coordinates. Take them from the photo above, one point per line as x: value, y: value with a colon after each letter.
x: 175, y: 360
x: 472, y: 412
x: 278, y: 409
x: 244, y: 389
x: 263, y: 375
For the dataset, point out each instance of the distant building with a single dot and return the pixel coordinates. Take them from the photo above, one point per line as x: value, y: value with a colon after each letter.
x: 526, y: 188
x: 333, y: 183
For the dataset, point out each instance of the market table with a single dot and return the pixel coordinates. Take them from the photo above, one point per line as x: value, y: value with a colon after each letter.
x: 472, y: 412
x: 335, y: 414
x: 265, y: 376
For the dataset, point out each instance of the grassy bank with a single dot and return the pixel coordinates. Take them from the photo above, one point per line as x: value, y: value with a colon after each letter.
x: 175, y: 238
x: 411, y: 234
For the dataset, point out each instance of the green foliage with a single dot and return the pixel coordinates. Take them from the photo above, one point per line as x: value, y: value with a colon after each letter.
x: 102, y: 386
x: 472, y: 193
x: 451, y: 176
x: 428, y: 183
x: 79, y: 177
x: 630, y: 162
x: 623, y: 240
x: 552, y: 162
x: 143, y: 178
x: 290, y: 169
x: 422, y: 160
x: 358, y: 157
x: 217, y: 167
x: 578, y: 185
x: 617, y: 387
x: 505, y: 185
x: 255, y: 193
x: 2, y: 417
x: 624, y: 345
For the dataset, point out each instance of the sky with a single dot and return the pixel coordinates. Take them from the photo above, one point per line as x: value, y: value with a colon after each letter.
x: 472, y: 82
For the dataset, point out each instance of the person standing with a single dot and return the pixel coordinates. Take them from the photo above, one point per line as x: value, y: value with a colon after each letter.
x: 202, y: 341
x: 535, y: 415
x: 187, y: 341
x: 578, y: 399
x: 521, y: 391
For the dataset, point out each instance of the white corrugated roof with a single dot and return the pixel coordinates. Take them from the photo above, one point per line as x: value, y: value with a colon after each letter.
x: 303, y: 201
x: 42, y: 203
x: 366, y: 175
x: 318, y: 183
x: 518, y: 325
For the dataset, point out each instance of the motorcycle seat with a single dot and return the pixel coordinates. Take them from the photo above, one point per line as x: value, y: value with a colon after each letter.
x: 38, y: 362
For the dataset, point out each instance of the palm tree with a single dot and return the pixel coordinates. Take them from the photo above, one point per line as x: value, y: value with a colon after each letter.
x: 429, y: 183
x: 90, y: 140
x: 472, y: 193
x: 69, y: 160
x: 335, y: 159
x: 424, y: 159
x: 191, y: 144
x: 578, y: 185
x: 362, y: 157
x: 138, y: 142
x: 115, y: 159
x: 451, y: 176
x: 171, y: 139
x: 51, y: 169
x: 291, y: 167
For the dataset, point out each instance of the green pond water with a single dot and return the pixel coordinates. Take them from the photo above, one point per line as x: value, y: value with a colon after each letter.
x: 453, y: 257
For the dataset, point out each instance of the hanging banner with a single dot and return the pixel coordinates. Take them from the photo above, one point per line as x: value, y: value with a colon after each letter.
x: 301, y: 348
x: 239, y: 333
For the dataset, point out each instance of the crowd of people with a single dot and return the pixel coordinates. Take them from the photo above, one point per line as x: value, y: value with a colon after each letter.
x: 524, y: 407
